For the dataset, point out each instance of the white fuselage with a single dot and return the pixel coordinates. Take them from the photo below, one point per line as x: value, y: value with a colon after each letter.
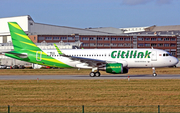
x: 128, y: 57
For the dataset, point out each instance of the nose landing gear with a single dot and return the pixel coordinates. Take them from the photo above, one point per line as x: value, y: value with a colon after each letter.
x: 154, y: 72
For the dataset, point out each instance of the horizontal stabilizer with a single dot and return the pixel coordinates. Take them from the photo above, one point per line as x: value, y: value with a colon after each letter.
x: 21, y: 55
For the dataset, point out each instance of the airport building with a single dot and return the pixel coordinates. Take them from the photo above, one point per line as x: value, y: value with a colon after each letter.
x: 160, y: 37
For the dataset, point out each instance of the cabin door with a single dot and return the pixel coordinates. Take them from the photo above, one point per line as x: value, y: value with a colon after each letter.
x: 154, y: 55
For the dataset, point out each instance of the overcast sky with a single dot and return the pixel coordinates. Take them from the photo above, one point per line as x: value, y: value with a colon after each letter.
x: 96, y: 13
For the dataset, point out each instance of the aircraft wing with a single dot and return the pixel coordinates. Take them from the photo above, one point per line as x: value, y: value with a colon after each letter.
x: 89, y: 61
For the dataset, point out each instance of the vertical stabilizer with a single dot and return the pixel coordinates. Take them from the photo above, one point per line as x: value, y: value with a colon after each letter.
x: 19, y: 38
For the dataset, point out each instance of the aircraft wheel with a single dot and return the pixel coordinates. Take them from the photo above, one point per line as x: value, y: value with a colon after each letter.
x: 97, y: 74
x: 154, y: 74
x: 92, y: 74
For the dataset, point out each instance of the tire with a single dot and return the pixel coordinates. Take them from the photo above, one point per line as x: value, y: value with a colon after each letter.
x: 154, y: 74
x: 97, y: 74
x: 92, y: 74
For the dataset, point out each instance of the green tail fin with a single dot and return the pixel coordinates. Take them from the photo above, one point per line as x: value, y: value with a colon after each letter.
x: 19, y: 38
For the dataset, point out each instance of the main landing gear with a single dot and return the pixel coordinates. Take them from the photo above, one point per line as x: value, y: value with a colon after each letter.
x: 95, y: 74
x: 154, y: 72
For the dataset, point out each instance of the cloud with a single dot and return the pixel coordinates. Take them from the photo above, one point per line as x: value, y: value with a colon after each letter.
x: 140, y: 2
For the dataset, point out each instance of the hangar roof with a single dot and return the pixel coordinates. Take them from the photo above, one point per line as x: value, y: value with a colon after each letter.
x: 167, y: 28
x: 109, y: 30
x: 45, y: 29
x: 33, y: 28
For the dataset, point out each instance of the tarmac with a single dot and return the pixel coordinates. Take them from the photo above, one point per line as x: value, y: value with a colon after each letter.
x: 84, y: 77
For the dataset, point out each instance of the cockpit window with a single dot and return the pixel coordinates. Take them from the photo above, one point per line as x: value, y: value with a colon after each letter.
x: 167, y: 54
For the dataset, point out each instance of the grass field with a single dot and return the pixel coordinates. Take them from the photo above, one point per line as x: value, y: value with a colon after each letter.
x: 96, y: 95
x: 83, y: 71
x: 90, y: 93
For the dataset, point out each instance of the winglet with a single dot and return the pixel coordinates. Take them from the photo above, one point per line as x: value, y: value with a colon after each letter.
x: 60, y: 53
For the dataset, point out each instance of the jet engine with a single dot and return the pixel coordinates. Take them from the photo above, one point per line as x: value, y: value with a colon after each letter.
x: 114, y: 68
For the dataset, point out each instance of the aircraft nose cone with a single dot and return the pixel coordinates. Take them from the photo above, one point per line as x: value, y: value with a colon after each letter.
x: 177, y: 61
x: 173, y: 61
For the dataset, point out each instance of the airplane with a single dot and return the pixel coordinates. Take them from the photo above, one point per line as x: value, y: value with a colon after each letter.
x: 114, y: 61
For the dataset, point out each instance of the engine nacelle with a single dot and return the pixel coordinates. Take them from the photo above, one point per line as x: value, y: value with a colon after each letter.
x: 115, y: 68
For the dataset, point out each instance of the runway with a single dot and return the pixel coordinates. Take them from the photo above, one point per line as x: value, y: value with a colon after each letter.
x: 81, y: 77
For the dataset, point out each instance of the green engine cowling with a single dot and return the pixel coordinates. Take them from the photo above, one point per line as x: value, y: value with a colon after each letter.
x: 115, y: 68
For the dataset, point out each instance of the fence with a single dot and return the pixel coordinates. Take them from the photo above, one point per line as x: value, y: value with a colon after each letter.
x: 91, y: 109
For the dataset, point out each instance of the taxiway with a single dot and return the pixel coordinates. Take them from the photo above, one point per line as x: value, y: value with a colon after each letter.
x: 79, y: 77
